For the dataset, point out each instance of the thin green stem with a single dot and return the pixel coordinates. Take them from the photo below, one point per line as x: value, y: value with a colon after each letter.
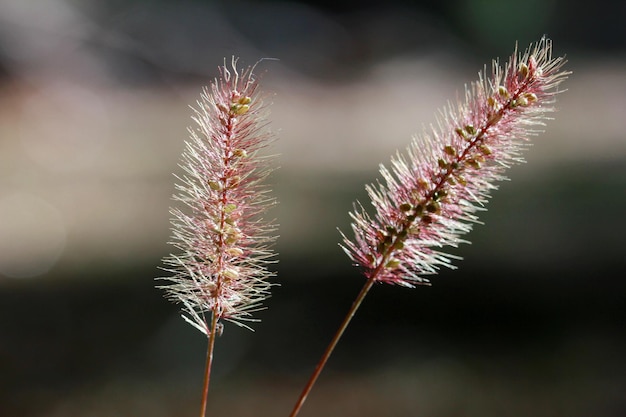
x: 329, y: 349
x: 209, y: 362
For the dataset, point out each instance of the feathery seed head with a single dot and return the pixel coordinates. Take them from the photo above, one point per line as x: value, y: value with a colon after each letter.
x: 430, y: 196
x: 223, y: 242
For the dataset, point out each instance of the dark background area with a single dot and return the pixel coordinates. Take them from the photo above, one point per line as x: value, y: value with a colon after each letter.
x: 94, y: 102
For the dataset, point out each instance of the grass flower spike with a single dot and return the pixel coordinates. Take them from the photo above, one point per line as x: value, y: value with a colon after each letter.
x: 431, y: 195
x: 220, y: 272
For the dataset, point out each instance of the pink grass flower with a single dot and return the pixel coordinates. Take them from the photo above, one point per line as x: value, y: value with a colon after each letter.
x: 431, y: 194
x: 223, y: 242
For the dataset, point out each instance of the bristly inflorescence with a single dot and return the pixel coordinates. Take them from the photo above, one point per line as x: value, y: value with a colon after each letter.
x: 432, y: 193
x: 224, y: 243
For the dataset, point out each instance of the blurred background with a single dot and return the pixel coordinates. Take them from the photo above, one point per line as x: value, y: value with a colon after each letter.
x: 94, y: 100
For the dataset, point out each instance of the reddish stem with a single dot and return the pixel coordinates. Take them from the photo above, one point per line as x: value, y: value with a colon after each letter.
x: 209, y: 362
x: 214, y: 319
x: 329, y: 349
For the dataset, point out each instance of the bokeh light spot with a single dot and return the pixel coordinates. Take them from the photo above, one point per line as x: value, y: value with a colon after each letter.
x: 32, y: 236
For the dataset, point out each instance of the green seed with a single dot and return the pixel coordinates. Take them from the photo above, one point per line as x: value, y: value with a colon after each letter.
x: 392, y: 264
x: 449, y: 150
x: 484, y: 149
x: 433, y: 207
x: 405, y: 207
x: 523, y: 70
x: 398, y: 245
x: 473, y: 163
x: 470, y: 129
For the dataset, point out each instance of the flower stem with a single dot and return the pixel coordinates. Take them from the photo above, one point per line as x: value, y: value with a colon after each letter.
x: 331, y: 346
x: 209, y: 362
